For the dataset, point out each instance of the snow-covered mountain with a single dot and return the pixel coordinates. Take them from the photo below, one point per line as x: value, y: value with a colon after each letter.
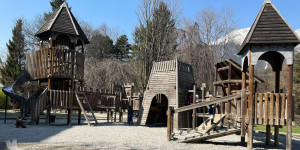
x: 238, y: 36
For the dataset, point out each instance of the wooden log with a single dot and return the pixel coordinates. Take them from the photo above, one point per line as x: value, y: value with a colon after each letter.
x: 194, y: 110
x: 244, y: 107
x: 260, y: 114
x: 268, y: 134
x: 255, y: 108
x: 289, y: 105
x: 250, y: 106
x: 169, y: 133
x: 276, y: 135
x: 282, y: 118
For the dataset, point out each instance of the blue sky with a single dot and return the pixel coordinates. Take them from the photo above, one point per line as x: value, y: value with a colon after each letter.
x: 122, y: 13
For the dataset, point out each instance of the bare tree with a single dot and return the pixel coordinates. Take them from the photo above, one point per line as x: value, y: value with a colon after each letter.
x: 195, y: 52
x: 215, y: 30
x: 30, y: 28
x: 205, y: 41
x: 100, y: 73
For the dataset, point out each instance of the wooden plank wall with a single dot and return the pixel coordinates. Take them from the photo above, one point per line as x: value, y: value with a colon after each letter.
x: 185, y: 83
x: 38, y: 63
x: 270, y: 109
x: 161, y: 81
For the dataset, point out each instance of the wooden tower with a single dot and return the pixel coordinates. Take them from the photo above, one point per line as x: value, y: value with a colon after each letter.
x: 59, y: 61
x: 168, y: 85
x: 270, y: 39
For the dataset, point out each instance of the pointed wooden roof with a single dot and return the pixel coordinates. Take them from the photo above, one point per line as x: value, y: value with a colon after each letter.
x: 269, y: 27
x: 62, y: 21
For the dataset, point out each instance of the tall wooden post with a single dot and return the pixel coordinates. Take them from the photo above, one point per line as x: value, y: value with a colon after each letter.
x: 244, y: 106
x: 194, y: 102
x: 169, y: 128
x: 5, y: 112
x: 250, y: 107
x: 229, y: 93
x: 289, y: 105
x: 71, y: 89
x: 277, y: 87
x: 120, y: 109
x: 50, y: 81
x: 215, y: 86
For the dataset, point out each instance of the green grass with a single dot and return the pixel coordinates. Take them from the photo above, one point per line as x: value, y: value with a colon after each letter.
x: 295, y: 129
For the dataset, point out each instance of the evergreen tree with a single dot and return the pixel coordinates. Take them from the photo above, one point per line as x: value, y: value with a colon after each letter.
x: 15, y: 58
x: 122, y: 48
x: 296, y: 75
x: 55, y: 4
x: 100, y: 46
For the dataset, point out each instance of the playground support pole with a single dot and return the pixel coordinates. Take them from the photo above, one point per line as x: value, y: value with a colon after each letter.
x: 169, y: 128
x: 194, y: 110
x: 244, y: 106
x: 5, y: 114
x: 289, y: 105
x: 120, y: 109
x: 250, y: 107
x: 277, y: 87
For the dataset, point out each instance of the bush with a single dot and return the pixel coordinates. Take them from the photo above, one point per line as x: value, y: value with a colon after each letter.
x: 2, y: 99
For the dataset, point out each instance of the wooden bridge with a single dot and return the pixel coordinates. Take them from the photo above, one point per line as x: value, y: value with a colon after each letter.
x: 269, y: 109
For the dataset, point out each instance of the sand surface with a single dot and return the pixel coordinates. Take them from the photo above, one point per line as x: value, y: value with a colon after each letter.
x: 114, y: 136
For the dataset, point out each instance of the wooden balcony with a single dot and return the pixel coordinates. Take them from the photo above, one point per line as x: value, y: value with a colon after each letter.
x: 55, y: 63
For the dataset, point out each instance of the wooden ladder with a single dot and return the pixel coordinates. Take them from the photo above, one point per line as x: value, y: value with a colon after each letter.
x: 84, y: 103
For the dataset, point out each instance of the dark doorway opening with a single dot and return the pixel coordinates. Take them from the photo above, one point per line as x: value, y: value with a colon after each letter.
x: 158, y: 111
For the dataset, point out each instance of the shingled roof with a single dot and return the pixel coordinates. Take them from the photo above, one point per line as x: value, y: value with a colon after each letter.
x: 269, y: 27
x: 62, y: 21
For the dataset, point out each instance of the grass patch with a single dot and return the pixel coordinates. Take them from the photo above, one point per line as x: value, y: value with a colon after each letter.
x: 295, y: 129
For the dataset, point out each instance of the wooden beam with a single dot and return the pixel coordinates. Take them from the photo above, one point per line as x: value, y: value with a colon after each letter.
x: 250, y: 106
x: 228, y: 81
x: 223, y: 68
x: 244, y: 107
x: 194, y: 102
x: 289, y: 105
x: 169, y: 133
x: 219, y: 100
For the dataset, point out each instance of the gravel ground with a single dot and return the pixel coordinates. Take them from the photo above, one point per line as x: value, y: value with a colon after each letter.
x: 113, y: 136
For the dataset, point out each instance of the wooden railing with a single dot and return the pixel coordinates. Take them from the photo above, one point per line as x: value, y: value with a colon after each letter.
x: 55, y: 63
x: 63, y: 99
x: 38, y: 106
x: 270, y: 108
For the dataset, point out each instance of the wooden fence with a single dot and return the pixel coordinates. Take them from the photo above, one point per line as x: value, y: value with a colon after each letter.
x: 55, y: 62
x: 270, y: 108
x: 63, y: 99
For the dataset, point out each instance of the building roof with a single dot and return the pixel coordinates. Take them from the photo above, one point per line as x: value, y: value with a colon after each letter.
x: 62, y: 21
x: 269, y: 27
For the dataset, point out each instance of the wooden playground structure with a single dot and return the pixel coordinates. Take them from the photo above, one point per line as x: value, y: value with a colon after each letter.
x: 60, y: 63
x: 270, y: 39
x: 171, y: 86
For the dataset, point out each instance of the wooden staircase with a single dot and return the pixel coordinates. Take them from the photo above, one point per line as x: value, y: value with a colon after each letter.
x: 85, y: 107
